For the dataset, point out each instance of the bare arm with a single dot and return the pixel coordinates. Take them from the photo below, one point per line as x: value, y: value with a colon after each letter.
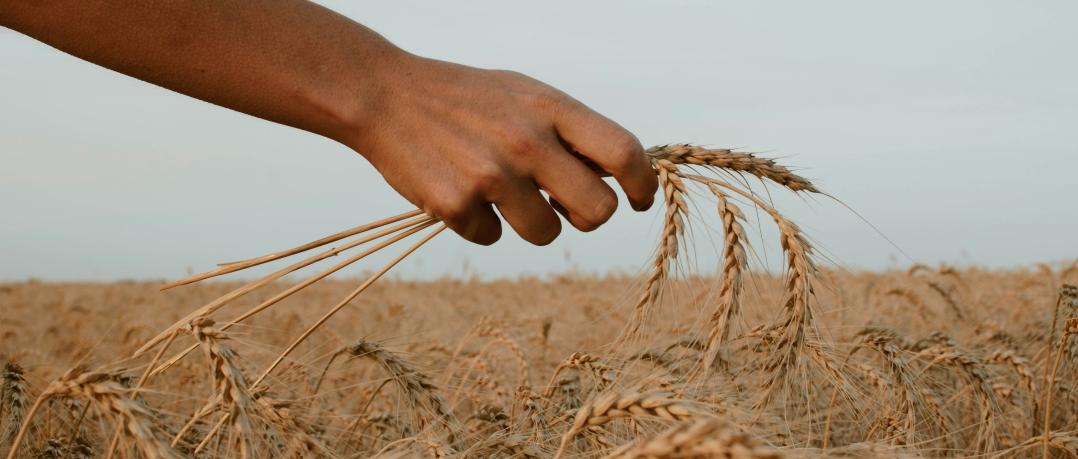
x: 453, y: 140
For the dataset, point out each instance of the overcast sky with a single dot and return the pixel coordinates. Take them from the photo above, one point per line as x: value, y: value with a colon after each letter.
x: 950, y: 126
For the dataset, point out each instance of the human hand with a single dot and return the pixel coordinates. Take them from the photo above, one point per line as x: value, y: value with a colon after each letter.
x: 455, y: 140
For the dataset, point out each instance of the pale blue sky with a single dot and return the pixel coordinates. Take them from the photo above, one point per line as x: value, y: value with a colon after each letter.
x: 951, y: 126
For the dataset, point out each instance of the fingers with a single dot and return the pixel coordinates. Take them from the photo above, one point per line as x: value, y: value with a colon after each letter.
x: 611, y: 147
x: 524, y: 208
x: 474, y: 221
x: 585, y: 200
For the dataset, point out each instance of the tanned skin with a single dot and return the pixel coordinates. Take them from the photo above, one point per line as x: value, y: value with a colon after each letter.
x: 456, y: 141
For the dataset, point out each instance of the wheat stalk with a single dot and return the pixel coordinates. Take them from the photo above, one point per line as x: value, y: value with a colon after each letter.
x: 1070, y: 328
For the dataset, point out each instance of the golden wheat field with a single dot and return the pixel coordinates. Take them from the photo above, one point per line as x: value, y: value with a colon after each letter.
x: 813, y: 361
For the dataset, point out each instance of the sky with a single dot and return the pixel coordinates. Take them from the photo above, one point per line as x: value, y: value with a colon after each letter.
x: 949, y: 128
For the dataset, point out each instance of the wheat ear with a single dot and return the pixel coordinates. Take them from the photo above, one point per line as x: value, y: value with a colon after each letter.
x: 705, y: 438
x: 673, y: 189
x: 797, y: 305
x: 16, y: 394
x: 883, y: 342
x: 98, y: 389
x: 415, y: 385
x: 730, y: 160
x: 734, y: 263
x: 625, y: 404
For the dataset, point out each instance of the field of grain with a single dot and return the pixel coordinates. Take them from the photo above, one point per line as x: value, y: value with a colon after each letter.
x: 808, y: 362
x: 932, y: 363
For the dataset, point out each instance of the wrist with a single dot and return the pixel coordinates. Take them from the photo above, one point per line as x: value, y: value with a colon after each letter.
x: 378, y: 78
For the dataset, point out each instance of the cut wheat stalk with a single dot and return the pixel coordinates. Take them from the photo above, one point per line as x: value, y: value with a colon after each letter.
x: 408, y: 227
x: 295, y: 288
x: 367, y: 283
x: 233, y: 266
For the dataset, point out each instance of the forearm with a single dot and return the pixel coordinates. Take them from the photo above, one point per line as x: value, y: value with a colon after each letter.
x: 288, y: 61
x: 454, y: 140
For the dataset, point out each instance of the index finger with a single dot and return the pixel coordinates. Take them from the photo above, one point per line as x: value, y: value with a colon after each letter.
x: 612, y: 148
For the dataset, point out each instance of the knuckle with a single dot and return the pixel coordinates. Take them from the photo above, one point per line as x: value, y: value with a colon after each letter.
x: 550, y: 99
x: 522, y: 143
x: 487, y: 179
x: 452, y: 207
x: 626, y: 153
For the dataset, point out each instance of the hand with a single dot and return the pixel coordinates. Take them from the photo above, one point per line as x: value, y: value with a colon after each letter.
x: 455, y: 140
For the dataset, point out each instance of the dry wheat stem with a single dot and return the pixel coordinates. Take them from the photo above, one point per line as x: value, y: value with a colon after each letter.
x: 295, y: 288
x: 230, y: 267
x: 217, y: 304
x: 1070, y: 329
x: 370, y: 280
